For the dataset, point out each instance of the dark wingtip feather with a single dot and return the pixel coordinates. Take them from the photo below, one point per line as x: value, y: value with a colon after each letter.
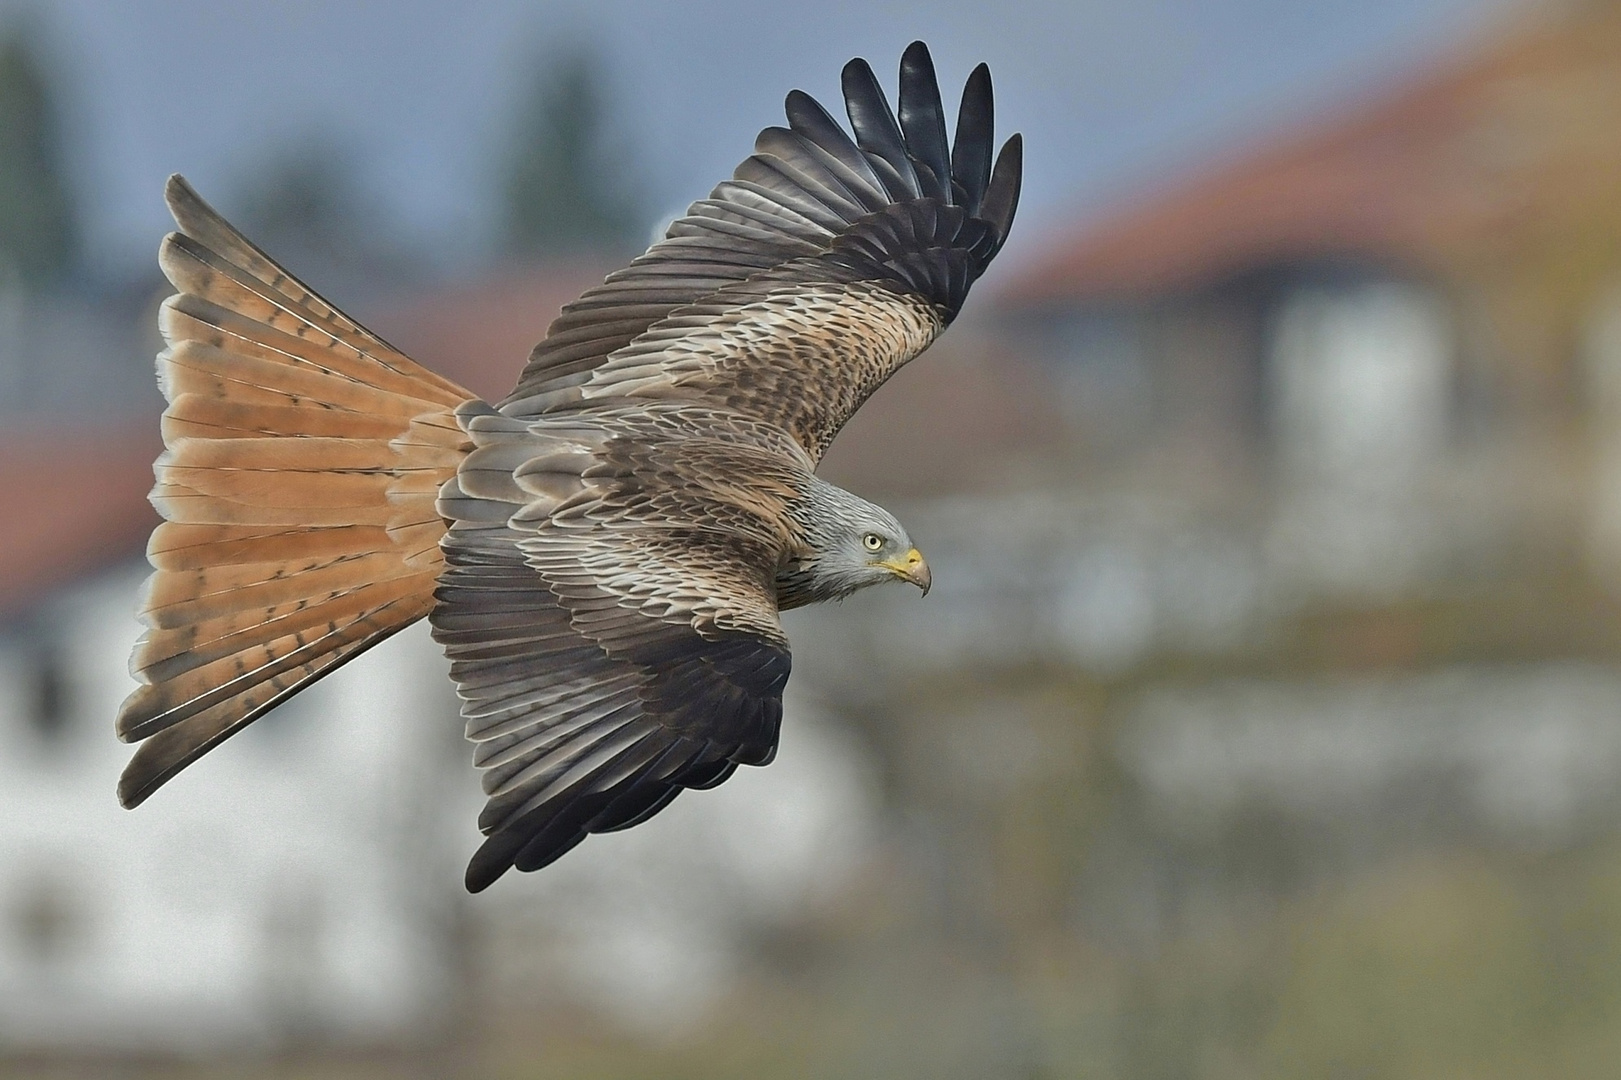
x: 923, y: 121
x: 807, y: 117
x: 976, y: 130
x: 489, y: 863
x: 877, y: 133
x: 1002, y: 195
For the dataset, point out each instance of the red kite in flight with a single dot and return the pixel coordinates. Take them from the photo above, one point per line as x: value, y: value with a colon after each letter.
x: 602, y: 554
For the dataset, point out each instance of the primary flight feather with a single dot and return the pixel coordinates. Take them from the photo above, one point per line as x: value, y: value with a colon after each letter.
x: 604, y: 553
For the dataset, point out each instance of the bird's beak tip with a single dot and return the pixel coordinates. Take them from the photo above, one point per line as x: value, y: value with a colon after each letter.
x: 917, y: 571
x: 911, y: 567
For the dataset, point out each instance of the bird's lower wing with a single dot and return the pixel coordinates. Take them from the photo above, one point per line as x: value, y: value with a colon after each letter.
x: 595, y: 682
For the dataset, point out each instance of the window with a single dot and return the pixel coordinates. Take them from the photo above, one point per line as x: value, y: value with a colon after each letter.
x: 49, y: 696
x: 44, y: 920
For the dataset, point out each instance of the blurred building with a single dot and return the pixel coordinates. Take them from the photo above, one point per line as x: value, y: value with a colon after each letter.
x: 1402, y: 318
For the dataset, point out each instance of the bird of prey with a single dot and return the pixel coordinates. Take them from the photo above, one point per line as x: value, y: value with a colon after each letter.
x: 602, y: 554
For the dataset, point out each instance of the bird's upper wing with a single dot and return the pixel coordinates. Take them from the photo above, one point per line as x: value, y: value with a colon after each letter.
x: 806, y: 280
x: 613, y: 635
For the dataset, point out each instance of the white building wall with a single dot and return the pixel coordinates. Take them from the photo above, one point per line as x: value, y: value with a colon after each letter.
x: 298, y: 882
x: 1360, y: 382
x: 1602, y: 356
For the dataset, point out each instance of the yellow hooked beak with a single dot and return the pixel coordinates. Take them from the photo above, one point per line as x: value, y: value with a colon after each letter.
x: 911, y: 567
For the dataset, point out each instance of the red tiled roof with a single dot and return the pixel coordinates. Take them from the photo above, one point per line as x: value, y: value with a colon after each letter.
x: 78, y: 503
x: 1517, y: 136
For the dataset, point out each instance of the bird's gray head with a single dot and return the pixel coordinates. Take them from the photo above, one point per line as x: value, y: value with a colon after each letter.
x: 854, y: 544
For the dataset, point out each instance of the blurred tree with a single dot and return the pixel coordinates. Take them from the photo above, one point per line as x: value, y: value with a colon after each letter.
x: 38, y: 237
x: 308, y: 206
x: 568, y: 183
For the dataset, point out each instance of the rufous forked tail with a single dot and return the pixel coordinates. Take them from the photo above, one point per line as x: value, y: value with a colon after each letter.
x: 303, y: 457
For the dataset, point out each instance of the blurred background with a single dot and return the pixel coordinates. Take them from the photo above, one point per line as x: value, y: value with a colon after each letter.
x: 1265, y: 718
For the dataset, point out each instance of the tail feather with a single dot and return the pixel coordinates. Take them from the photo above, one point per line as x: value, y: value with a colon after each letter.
x: 303, y: 458
x: 174, y: 601
x: 171, y: 653
x: 179, y: 503
x: 278, y: 324
x: 270, y: 489
x: 418, y: 542
x: 171, y: 749
x: 276, y: 648
x: 203, y: 416
x: 179, y: 546
x: 199, y: 222
x: 310, y: 453
x: 262, y: 363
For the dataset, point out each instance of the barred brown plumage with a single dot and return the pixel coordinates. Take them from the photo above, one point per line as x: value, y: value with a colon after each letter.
x: 603, y: 553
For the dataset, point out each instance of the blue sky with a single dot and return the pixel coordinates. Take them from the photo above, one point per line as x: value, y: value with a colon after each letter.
x: 1110, y: 95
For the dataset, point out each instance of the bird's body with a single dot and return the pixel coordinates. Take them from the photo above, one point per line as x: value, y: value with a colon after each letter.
x: 605, y: 552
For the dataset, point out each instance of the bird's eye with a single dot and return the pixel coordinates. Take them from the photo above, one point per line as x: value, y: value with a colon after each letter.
x: 872, y: 541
